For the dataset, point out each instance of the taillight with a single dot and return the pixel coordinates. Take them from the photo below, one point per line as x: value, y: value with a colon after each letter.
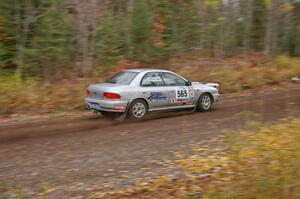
x: 87, y: 92
x: 111, y: 95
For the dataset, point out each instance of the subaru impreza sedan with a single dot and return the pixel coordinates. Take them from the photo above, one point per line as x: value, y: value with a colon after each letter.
x: 135, y: 92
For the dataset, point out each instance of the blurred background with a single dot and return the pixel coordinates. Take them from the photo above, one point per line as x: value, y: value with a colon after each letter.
x: 45, y: 44
x: 51, y: 50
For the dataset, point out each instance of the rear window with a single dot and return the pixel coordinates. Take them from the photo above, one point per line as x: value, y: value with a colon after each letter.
x: 123, y: 78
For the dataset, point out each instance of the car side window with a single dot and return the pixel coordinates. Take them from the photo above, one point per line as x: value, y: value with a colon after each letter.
x: 152, y: 79
x: 173, y: 80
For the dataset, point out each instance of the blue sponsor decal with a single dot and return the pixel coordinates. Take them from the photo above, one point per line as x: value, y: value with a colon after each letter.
x: 157, y: 96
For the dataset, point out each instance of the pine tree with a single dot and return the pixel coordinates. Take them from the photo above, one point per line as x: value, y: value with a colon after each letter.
x: 51, y: 43
x: 258, y: 25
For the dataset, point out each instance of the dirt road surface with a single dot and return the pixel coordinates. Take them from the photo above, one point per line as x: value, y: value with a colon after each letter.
x: 75, y: 154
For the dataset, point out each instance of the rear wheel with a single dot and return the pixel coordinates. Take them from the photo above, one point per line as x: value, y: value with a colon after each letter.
x: 138, y: 110
x: 205, y: 102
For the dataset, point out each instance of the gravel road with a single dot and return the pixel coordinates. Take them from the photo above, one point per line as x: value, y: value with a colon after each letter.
x: 77, y: 153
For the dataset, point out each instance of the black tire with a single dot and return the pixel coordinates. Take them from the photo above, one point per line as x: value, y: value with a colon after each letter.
x: 138, y: 110
x: 205, y: 102
x: 109, y: 115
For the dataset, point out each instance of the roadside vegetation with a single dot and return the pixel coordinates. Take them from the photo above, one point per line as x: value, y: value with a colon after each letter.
x: 262, y: 162
x: 237, y: 73
x: 33, y: 95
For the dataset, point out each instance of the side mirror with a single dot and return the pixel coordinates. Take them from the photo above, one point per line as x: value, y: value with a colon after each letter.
x: 188, y: 83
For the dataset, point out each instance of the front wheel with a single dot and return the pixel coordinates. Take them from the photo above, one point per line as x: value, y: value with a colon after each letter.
x: 205, y: 102
x: 138, y: 110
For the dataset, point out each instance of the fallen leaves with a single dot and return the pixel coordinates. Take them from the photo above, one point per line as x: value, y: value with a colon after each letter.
x: 262, y: 163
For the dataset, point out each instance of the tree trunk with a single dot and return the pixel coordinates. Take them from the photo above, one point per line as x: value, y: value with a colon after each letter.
x: 22, y: 31
x: 85, y: 27
x: 249, y: 16
x: 220, y: 40
x: 271, y: 35
x: 201, y: 13
x: 19, y: 47
x: 128, y: 25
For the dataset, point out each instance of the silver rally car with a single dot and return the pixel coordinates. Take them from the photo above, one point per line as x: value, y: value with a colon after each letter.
x: 135, y: 92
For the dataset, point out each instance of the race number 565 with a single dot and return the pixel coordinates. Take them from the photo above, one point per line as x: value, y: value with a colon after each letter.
x: 182, y: 93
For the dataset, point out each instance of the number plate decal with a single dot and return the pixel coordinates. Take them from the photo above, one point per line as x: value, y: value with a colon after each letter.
x: 182, y: 93
x: 94, y: 106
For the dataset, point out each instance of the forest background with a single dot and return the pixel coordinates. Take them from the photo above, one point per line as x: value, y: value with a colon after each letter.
x: 50, y: 50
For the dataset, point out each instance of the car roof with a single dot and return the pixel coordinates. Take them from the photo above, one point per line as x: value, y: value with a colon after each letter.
x: 146, y: 70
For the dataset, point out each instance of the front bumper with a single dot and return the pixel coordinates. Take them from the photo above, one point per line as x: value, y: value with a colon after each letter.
x: 106, y: 105
x: 216, y: 97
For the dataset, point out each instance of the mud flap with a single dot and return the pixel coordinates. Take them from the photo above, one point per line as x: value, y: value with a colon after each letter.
x: 194, y: 109
x: 120, y: 117
x: 96, y: 114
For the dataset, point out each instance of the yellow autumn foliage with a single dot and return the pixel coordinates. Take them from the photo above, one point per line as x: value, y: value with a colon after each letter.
x: 212, y: 3
x: 259, y: 164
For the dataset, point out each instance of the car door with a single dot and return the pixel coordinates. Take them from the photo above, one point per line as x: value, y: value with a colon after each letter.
x: 154, y: 91
x: 179, y: 92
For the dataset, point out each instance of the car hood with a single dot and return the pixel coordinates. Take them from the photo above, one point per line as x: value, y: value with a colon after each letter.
x: 215, y: 85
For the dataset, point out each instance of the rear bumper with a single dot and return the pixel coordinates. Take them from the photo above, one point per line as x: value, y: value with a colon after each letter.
x: 106, y: 105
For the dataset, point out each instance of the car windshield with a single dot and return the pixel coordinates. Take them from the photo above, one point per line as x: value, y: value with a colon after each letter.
x: 123, y: 78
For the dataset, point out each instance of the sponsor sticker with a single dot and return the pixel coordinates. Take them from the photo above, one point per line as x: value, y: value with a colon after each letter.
x: 157, y: 96
x: 191, y: 92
